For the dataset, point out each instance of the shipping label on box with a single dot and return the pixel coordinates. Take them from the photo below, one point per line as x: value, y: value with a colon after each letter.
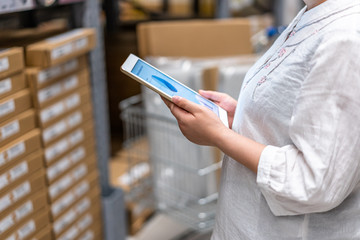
x: 23, y: 211
x: 19, y: 148
x: 39, y: 78
x: 21, y: 191
x: 56, y: 111
x: 81, y: 189
x: 14, y: 104
x: 60, y: 48
x: 12, y: 84
x: 17, y: 126
x: 30, y: 227
x: 65, y: 125
x: 21, y: 171
x: 64, y: 164
x: 67, y: 143
x: 54, y: 92
x: 11, y: 61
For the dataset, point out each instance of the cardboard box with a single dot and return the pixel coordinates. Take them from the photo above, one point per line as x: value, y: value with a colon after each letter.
x: 74, y: 194
x: 93, y: 232
x: 23, y: 212
x: 63, y: 165
x: 81, y: 225
x: 75, y: 175
x: 9, y: 177
x: 17, y: 126
x: 42, y: 77
x: 60, y: 48
x: 60, y: 148
x: 19, y: 148
x: 58, y: 110
x: 79, y: 209
x: 195, y: 38
x: 11, y: 61
x: 30, y: 227
x: 66, y: 124
x: 56, y: 91
x: 44, y: 234
x: 12, y: 84
x: 14, y: 104
x: 10, y: 200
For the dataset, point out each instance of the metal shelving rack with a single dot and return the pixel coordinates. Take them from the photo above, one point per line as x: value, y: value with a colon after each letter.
x: 86, y: 13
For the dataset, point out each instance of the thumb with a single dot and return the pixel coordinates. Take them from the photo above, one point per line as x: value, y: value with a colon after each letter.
x: 185, y: 104
x: 211, y: 95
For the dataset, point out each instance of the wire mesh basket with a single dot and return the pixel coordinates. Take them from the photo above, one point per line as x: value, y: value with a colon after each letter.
x: 185, y: 176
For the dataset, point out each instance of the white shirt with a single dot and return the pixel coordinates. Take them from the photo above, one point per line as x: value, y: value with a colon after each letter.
x: 302, y: 100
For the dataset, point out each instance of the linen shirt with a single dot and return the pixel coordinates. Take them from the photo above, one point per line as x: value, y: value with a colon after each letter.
x: 301, y: 100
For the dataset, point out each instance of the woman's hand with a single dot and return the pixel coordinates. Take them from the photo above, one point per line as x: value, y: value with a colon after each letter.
x: 197, y: 123
x: 224, y: 101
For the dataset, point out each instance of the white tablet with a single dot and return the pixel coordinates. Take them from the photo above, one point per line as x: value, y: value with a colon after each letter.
x: 165, y: 85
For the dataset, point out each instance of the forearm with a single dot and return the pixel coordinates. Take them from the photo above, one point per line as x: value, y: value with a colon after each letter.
x: 240, y: 148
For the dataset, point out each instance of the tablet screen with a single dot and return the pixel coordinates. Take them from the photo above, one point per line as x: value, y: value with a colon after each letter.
x: 169, y: 86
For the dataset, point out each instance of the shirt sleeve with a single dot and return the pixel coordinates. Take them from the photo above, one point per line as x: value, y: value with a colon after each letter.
x: 322, y: 165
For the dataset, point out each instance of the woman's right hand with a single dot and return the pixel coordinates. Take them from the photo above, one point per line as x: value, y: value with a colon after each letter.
x: 224, y: 101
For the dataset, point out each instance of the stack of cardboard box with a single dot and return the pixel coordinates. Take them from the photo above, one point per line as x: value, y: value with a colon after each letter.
x: 23, y: 201
x: 58, y: 75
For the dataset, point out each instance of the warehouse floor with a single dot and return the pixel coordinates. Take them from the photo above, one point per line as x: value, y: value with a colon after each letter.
x: 162, y: 227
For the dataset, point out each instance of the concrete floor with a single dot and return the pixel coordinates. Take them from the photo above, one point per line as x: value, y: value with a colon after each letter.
x: 162, y: 227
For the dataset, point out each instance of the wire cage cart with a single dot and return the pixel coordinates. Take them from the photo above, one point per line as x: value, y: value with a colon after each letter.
x: 185, y: 176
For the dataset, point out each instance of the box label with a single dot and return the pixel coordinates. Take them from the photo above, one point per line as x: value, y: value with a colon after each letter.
x: 85, y: 222
x: 4, y: 181
x: 56, y: 71
x: 7, y: 107
x: 62, y: 203
x: 6, y: 223
x: 76, y: 137
x: 55, y: 150
x: 10, y: 129
x: 19, y: 171
x: 5, y: 202
x: 5, y: 86
x: 54, y: 131
x: 61, y: 185
x: 4, y: 64
x: 24, y: 210
x: 49, y: 92
x: 64, y: 221
x: 72, y: 101
x: 16, y: 150
x: 65, y: 36
x: 61, y: 51
x: 89, y: 235
x: 26, y: 230
x: 21, y: 191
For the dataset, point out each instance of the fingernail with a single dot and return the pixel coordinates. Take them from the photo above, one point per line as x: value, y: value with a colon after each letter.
x: 176, y: 98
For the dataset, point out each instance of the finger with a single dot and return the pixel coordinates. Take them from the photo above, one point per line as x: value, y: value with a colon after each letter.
x: 211, y: 95
x: 179, y: 113
x: 185, y: 104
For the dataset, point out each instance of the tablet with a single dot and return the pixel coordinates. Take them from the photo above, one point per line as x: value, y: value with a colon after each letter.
x: 165, y: 85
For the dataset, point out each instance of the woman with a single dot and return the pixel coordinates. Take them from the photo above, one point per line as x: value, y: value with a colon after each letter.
x: 291, y: 169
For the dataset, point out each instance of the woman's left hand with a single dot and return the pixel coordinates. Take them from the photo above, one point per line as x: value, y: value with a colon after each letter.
x: 197, y: 123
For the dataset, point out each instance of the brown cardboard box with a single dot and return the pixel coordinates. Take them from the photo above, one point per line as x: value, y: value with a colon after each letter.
x: 21, y: 192
x: 93, y: 232
x: 23, y: 212
x: 81, y: 225
x: 53, y: 113
x: 14, y: 104
x: 11, y: 61
x: 18, y: 173
x: 69, y: 142
x: 28, y: 229
x: 75, y: 175
x: 74, y: 194
x: 79, y: 209
x: 63, y: 165
x: 60, y: 48
x: 48, y: 95
x: 12, y: 84
x: 42, y: 77
x: 66, y: 124
x: 19, y: 148
x: 17, y: 126
x: 44, y: 234
x: 195, y: 38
